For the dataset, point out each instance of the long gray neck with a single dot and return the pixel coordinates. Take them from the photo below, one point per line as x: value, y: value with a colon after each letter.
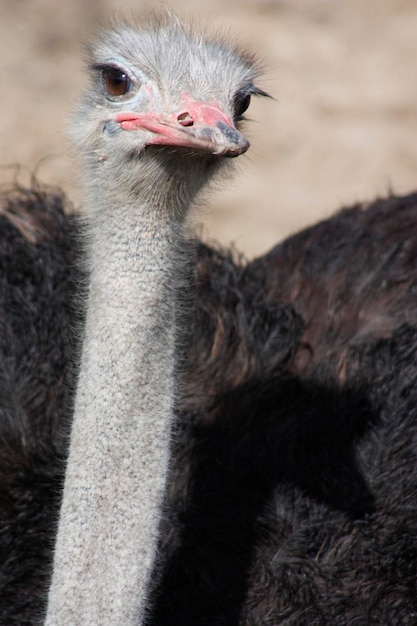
x: 120, y: 439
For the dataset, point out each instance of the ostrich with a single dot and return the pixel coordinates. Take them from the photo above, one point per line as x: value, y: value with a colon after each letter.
x: 134, y: 108
x: 290, y: 496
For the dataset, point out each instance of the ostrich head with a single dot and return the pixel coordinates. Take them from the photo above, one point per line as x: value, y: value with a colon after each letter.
x: 161, y: 112
x: 163, y: 105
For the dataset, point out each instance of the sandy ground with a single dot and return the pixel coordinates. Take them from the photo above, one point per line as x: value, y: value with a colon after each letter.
x: 343, y: 126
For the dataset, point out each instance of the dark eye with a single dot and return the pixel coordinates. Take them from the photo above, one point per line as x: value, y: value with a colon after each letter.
x: 241, y: 105
x: 116, y: 82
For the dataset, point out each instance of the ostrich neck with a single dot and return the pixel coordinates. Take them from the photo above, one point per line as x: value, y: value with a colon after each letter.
x: 119, y: 447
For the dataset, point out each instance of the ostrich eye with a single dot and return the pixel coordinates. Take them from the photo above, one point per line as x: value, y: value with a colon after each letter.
x: 116, y: 82
x: 241, y: 105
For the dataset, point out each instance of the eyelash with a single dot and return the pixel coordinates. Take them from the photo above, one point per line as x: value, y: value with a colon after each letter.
x: 243, y: 100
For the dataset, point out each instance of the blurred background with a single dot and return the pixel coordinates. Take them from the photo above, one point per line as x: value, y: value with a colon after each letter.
x: 343, y: 126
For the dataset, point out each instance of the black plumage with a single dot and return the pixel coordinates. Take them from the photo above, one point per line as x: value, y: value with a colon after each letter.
x: 292, y: 496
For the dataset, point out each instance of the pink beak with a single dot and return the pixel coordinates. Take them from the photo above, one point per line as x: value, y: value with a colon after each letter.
x: 198, y: 125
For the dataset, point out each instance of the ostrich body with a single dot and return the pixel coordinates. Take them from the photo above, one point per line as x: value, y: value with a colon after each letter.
x: 292, y: 482
x: 119, y: 450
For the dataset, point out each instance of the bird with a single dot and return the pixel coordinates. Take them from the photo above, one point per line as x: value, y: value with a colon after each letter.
x: 211, y: 440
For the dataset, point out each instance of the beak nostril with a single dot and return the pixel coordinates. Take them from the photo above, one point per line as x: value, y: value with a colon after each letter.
x: 185, y: 119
